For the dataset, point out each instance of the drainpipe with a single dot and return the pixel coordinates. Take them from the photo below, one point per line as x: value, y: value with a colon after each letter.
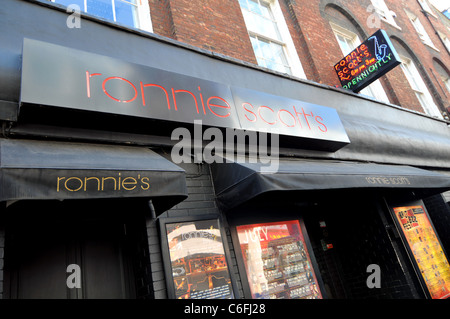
x: 426, y: 14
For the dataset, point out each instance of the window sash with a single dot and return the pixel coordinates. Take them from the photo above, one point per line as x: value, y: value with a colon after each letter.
x: 411, y: 76
x: 447, y: 83
x: 445, y: 40
x: 419, y: 28
x: 426, y: 7
x: 423, y: 35
x: 120, y: 11
x: 382, y: 9
x: 259, y: 19
x: 346, y: 44
x: 270, y: 54
x: 418, y: 86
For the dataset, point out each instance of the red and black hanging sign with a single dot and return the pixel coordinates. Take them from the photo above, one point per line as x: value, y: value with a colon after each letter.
x: 369, y: 61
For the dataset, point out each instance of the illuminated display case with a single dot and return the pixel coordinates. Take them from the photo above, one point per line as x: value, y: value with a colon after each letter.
x: 423, y: 245
x: 278, y: 261
x: 195, y: 259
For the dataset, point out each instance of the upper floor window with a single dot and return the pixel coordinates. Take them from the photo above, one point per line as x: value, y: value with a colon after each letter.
x: 270, y: 37
x: 134, y: 13
x: 382, y: 9
x: 446, y: 81
x: 348, y: 41
x: 426, y: 7
x: 444, y: 39
x: 419, y: 87
x: 444, y: 74
x: 423, y: 35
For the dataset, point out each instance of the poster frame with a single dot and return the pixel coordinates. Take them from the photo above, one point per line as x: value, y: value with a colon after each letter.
x: 406, y: 203
x: 241, y: 263
x: 167, y: 263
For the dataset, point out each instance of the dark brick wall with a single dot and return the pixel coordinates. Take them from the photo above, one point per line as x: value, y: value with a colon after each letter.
x: 139, y: 250
x: 367, y: 243
x: 360, y: 238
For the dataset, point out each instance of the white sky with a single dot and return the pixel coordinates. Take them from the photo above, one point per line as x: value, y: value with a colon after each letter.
x: 441, y: 4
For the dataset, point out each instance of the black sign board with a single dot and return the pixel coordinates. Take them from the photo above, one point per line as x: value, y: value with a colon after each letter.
x: 58, y: 76
x: 369, y: 61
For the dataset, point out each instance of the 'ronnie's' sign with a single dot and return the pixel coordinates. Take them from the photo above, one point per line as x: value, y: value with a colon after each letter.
x: 63, y: 77
x: 369, y: 61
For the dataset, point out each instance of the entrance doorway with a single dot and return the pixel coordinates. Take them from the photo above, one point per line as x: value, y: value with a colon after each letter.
x: 45, y: 237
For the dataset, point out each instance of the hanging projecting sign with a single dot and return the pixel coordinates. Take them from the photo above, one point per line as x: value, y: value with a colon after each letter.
x: 63, y: 77
x: 369, y: 61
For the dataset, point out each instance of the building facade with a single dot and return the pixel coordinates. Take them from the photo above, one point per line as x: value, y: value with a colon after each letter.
x: 207, y: 149
x: 314, y: 36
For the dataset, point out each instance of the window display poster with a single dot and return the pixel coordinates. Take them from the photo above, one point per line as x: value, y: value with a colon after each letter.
x: 277, y: 261
x: 426, y: 248
x: 198, y: 262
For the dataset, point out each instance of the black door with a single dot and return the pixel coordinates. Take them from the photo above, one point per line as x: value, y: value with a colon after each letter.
x: 43, y: 238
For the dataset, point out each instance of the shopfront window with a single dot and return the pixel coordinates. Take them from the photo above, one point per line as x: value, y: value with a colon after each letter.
x: 277, y: 261
x: 134, y: 13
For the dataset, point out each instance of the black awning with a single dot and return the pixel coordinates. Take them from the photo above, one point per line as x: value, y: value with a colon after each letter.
x: 57, y: 170
x: 237, y: 183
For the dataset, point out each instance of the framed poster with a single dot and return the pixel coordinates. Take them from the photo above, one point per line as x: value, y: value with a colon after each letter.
x: 195, y: 259
x: 424, y: 245
x: 277, y: 261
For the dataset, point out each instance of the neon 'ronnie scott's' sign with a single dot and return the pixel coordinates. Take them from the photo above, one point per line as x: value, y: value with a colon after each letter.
x: 369, y: 61
x: 62, y: 77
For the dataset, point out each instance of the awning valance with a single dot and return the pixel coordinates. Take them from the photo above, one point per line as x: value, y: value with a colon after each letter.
x: 58, y: 170
x: 236, y: 183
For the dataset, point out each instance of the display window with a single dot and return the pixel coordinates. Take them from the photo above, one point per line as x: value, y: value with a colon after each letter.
x: 424, y: 245
x: 277, y: 261
x: 196, y: 261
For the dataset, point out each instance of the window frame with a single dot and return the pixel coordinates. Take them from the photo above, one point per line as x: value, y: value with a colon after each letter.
x: 143, y: 14
x: 446, y: 81
x: 426, y: 7
x: 419, y: 87
x: 267, y: 215
x: 260, y: 38
x: 420, y: 30
x: 445, y: 40
x: 375, y: 89
x: 285, y: 39
x: 384, y: 12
